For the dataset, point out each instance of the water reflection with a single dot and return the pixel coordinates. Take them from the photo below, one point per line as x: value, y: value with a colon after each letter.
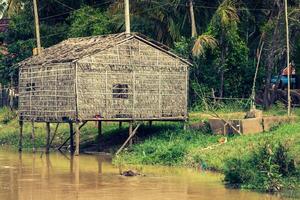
x: 55, y: 177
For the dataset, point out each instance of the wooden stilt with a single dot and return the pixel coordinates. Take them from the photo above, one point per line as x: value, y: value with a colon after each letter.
x: 33, y: 136
x: 130, y: 132
x: 71, y: 137
x: 150, y: 123
x: 65, y: 142
x: 99, y: 135
x: 77, y: 135
x: 128, y: 139
x: 120, y: 125
x: 21, y: 123
x: 48, y: 137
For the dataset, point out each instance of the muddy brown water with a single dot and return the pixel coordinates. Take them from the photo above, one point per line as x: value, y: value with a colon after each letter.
x: 57, y: 177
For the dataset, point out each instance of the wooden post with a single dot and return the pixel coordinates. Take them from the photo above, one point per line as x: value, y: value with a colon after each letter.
x: 120, y: 125
x: 193, y: 21
x: 71, y: 137
x: 21, y: 123
x: 288, y: 56
x: 150, y: 123
x: 48, y: 137
x: 33, y: 136
x: 127, y: 17
x: 130, y: 132
x: 77, y: 134
x: 99, y: 135
x: 37, y: 27
x: 11, y: 93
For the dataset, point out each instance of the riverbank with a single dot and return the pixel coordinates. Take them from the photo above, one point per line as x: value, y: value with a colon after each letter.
x: 166, y: 143
x: 268, y: 162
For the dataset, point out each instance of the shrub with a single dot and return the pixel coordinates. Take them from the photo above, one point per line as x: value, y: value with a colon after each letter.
x: 266, y: 169
x: 7, y: 115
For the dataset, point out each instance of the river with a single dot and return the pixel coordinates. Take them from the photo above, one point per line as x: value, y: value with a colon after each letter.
x: 29, y: 176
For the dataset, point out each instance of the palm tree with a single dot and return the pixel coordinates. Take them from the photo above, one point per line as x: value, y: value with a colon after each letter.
x: 224, y: 18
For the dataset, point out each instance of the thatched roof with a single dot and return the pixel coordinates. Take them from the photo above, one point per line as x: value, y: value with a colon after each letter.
x: 75, y: 48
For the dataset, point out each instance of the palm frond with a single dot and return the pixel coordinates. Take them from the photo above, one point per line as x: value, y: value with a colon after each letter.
x: 227, y: 13
x: 204, y: 41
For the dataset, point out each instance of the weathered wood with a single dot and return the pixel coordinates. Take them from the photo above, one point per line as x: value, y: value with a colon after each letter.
x: 21, y: 123
x: 99, y: 135
x: 33, y: 136
x: 71, y: 137
x: 48, y: 134
x: 54, y: 134
x: 65, y: 142
x: 128, y: 139
x: 130, y: 132
x: 77, y: 139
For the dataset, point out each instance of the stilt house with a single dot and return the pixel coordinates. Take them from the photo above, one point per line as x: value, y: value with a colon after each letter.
x: 115, y: 77
x: 119, y: 77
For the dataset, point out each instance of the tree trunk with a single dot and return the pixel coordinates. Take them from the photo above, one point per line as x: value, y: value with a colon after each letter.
x: 193, y: 21
x: 221, y: 90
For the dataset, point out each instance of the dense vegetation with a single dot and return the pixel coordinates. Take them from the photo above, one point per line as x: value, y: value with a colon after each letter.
x: 223, y: 49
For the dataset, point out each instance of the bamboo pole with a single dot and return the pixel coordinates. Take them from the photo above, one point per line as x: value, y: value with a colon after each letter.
x: 255, y: 76
x: 21, y: 123
x: 37, y: 27
x: 128, y: 139
x: 48, y: 137
x: 99, y: 135
x: 288, y: 56
x: 33, y: 136
x: 130, y: 132
x: 127, y: 17
x: 77, y: 138
x: 193, y: 21
x: 71, y: 137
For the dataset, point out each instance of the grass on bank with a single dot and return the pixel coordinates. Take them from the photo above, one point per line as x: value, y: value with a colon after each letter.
x: 167, y: 144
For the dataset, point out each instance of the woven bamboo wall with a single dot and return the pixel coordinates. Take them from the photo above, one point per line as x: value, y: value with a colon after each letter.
x: 47, y: 93
x: 132, y: 80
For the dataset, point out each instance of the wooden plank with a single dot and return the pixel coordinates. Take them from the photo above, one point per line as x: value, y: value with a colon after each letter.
x: 33, y: 136
x: 99, y: 135
x: 48, y: 137
x: 71, y: 138
x: 130, y: 132
x: 77, y: 139
x: 21, y: 123
x: 128, y: 139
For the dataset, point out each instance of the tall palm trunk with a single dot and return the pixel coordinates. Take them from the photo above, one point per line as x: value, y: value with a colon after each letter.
x: 223, y: 51
x: 193, y: 21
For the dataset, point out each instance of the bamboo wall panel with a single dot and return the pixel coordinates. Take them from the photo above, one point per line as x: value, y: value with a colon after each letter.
x: 47, y: 93
x: 156, y: 83
x: 129, y: 78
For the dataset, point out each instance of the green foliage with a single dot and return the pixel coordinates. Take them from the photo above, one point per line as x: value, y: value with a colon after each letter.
x: 7, y: 115
x: 265, y: 170
x: 88, y: 21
